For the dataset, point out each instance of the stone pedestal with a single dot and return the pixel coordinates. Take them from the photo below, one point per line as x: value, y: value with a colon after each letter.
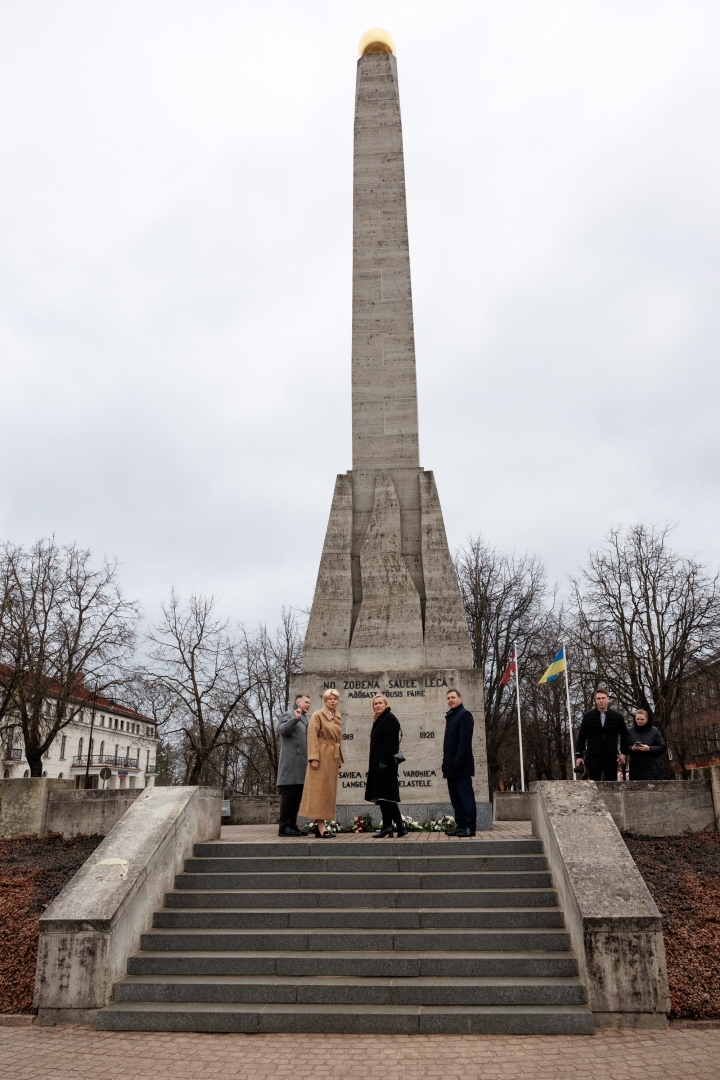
x: 418, y: 700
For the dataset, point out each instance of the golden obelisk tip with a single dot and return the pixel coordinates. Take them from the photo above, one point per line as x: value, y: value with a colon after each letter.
x: 376, y: 40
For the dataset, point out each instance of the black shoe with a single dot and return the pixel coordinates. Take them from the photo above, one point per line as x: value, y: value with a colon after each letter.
x: 462, y: 832
x: 286, y: 830
x: 327, y: 835
x: 403, y: 831
x: 295, y: 831
x: 451, y: 832
x: 385, y: 831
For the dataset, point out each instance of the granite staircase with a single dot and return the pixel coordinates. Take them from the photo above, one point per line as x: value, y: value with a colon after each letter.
x: 448, y: 936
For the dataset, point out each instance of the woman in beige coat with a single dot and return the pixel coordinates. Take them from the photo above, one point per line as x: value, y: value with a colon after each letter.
x: 324, y: 735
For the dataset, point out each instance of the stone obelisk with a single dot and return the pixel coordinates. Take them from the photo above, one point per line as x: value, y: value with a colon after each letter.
x: 387, y: 614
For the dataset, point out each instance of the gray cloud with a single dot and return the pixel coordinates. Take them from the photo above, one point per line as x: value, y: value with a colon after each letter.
x: 175, y: 206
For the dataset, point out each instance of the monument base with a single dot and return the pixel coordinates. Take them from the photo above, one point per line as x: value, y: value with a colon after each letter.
x: 418, y: 699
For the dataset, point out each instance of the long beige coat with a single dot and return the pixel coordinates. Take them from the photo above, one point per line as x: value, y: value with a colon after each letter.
x: 324, y: 735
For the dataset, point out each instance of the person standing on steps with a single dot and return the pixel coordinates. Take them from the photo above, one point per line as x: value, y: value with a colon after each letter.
x: 382, y: 779
x: 324, y: 736
x: 597, y: 745
x: 292, y: 764
x: 458, y: 765
x: 646, y: 748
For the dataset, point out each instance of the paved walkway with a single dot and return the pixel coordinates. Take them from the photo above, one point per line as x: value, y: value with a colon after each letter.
x: 78, y: 1053
x: 502, y: 830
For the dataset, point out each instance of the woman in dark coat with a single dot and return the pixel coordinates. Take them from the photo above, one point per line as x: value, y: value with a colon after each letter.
x: 646, y: 749
x: 382, y: 780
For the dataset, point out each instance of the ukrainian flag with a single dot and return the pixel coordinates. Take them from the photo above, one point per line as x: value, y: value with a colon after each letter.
x: 556, y: 668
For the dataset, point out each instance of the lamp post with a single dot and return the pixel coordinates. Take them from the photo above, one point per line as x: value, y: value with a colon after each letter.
x: 90, y: 742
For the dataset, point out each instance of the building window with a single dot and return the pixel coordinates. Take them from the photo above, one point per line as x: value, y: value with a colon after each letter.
x: 102, y: 721
x: 26, y: 774
x: 63, y: 741
x: 80, y: 746
x: 147, y: 762
x: 102, y: 748
x: 116, y: 749
x: 60, y: 776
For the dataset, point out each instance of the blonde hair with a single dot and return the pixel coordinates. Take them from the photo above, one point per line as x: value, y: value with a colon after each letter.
x: 330, y: 693
x: 641, y: 712
x: 387, y: 703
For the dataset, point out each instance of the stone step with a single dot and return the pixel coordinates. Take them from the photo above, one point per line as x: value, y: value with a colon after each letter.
x: 537, y: 879
x: 357, y: 898
x: 322, y: 940
x: 362, y: 918
x: 348, y: 1019
x: 228, y: 849
x: 346, y: 991
x: 343, y: 963
x: 292, y: 864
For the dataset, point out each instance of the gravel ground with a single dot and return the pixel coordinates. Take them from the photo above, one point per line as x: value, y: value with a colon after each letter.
x: 683, y: 875
x: 32, y: 873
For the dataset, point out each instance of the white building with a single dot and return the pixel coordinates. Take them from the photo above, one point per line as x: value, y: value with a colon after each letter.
x: 105, y: 735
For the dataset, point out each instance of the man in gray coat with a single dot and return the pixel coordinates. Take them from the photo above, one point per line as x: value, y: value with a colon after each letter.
x: 292, y: 764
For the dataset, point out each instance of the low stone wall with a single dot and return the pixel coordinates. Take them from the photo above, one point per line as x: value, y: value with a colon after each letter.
x: 265, y: 810
x: 93, y: 813
x: 659, y: 807
x: 614, y: 924
x: 253, y: 810
x: 90, y: 929
x: 24, y: 804
x: 512, y: 805
x: 645, y: 807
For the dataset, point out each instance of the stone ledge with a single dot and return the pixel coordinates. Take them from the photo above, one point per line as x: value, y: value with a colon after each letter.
x: 614, y: 924
x: 16, y: 1019
x: 90, y: 929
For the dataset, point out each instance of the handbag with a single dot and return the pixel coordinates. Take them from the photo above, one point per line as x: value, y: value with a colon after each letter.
x: 399, y: 757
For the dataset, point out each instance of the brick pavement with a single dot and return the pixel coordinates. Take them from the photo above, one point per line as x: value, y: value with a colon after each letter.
x: 79, y: 1053
x: 501, y: 830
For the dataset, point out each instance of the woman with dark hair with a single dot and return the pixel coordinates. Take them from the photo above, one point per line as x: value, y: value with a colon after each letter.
x: 382, y: 782
x: 647, y: 747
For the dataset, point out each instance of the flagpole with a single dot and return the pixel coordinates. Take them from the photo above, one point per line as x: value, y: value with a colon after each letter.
x: 517, y: 692
x: 570, y: 725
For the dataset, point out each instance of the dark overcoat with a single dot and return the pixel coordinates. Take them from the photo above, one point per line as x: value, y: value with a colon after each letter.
x: 384, y: 743
x: 596, y: 742
x: 646, y: 764
x: 457, y: 745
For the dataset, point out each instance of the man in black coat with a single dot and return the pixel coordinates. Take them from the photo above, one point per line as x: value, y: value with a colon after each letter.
x: 597, y: 746
x: 458, y: 766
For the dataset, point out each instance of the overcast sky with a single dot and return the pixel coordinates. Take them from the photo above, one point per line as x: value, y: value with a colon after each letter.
x: 175, y: 277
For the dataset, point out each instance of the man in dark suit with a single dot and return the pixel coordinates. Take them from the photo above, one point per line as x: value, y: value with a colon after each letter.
x: 600, y: 732
x: 458, y: 766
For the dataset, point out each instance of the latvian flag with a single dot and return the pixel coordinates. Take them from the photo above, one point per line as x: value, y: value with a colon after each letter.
x: 509, y: 670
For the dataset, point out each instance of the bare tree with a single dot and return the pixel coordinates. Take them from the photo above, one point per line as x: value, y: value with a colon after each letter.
x: 196, y: 677
x: 505, y: 599
x: 66, y: 636
x: 217, y: 694
x: 270, y: 660
x: 646, y: 617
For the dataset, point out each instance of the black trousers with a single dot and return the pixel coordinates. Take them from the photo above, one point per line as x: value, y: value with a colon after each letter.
x: 462, y: 798
x: 597, y: 769
x: 290, y: 799
x: 390, y: 814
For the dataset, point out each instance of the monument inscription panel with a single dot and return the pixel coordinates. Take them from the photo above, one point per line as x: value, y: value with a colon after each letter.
x: 418, y: 699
